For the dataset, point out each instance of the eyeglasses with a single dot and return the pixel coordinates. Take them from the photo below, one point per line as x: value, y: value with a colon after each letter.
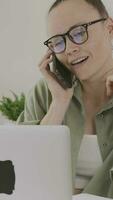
x: 78, y: 34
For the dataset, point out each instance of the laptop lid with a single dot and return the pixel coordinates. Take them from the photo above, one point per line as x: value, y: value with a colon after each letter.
x: 85, y: 196
x: 35, y: 163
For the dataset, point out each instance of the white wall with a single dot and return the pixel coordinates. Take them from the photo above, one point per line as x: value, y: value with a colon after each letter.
x: 109, y: 6
x: 22, y: 31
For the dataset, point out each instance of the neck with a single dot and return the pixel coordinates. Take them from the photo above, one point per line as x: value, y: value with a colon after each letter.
x: 95, y: 89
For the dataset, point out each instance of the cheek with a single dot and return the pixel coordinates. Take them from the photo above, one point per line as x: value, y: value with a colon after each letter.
x: 99, y: 45
x: 97, y: 49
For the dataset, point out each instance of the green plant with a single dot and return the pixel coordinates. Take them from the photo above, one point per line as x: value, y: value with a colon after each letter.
x: 11, y: 108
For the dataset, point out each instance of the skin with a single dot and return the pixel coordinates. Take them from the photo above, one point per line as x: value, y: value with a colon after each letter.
x: 96, y: 75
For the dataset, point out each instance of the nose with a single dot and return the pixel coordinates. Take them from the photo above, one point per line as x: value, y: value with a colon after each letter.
x: 71, y: 47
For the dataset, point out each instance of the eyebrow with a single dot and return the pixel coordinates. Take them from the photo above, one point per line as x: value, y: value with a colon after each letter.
x: 75, y: 25
x: 78, y: 24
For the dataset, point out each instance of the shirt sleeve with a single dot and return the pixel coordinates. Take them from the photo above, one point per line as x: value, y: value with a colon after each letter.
x: 37, y: 103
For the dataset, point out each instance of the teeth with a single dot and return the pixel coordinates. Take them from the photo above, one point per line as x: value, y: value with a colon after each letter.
x: 78, y: 60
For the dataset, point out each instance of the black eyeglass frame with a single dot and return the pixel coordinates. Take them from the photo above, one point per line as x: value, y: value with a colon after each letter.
x: 69, y: 36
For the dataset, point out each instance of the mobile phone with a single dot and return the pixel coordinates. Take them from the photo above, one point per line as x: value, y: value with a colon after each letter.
x: 64, y: 75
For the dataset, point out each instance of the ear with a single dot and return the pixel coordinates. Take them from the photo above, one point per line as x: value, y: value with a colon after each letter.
x: 109, y: 26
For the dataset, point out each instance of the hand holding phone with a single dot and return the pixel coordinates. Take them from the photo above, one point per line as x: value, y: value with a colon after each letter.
x: 59, y: 88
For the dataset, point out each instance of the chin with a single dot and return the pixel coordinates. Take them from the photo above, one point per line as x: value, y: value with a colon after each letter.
x: 83, y: 76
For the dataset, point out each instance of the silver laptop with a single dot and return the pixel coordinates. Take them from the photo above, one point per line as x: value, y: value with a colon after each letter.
x: 35, y: 163
x: 84, y: 196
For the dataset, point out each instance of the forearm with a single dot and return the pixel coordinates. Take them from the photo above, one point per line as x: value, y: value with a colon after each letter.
x: 55, y: 114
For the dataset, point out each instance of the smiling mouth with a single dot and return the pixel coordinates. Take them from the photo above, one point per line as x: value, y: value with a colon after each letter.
x: 79, y: 61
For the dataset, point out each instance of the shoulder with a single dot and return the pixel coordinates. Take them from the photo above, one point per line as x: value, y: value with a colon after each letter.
x: 39, y: 93
x: 39, y: 89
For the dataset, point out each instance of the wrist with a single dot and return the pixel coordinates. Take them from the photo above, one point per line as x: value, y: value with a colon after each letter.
x: 59, y: 102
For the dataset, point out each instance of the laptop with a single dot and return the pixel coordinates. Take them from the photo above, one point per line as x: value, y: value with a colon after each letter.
x: 84, y: 196
x: 35, y: 163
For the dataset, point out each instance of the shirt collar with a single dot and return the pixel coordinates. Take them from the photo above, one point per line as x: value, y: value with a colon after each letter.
x: 78, y: 94
x: 107, y: 106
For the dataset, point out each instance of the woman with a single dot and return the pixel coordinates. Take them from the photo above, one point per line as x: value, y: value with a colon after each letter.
x: 80, y: 34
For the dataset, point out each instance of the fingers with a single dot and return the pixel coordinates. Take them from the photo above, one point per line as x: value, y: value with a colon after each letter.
x: 47, y: 55
x: 109, y: 85
x: 44, y: 66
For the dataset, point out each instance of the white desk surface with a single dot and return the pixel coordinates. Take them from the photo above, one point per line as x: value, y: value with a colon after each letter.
x: 85, y: 196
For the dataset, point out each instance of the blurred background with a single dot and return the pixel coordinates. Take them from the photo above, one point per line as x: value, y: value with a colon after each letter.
x: 22, y: 32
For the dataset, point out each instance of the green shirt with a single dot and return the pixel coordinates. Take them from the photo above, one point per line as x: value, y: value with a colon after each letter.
x: 37, y: 104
